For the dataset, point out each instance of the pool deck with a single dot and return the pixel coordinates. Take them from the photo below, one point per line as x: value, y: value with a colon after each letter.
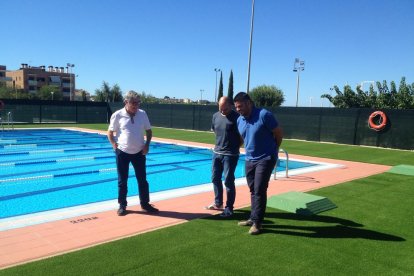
x: 40, y: 241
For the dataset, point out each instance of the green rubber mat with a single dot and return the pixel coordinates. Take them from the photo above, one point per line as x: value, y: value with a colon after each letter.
x: 300, y: 203
x: 402, y: 169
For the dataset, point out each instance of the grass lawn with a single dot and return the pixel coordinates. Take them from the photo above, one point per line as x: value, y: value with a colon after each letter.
x: 370, y: 233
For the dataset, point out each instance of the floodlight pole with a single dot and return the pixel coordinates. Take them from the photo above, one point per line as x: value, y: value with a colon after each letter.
x: 70, y: 65
x: 201, y: 95
x: 298, y: 66
x: 215, y: 93
x: 250, y: 48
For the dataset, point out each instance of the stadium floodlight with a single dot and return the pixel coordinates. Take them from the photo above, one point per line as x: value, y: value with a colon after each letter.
x: 299, y: 65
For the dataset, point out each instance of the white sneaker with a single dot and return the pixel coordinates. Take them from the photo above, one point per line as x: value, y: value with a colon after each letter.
x: 213, y: 206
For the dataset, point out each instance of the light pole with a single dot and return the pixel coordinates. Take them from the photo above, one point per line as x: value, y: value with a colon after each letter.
x: 52, y: 94
x: 201, y: 95
x: 250, y: 48
x: 298, y: 66
x: 70, y: 65
x: 330, y: 93
x: 215, y: 94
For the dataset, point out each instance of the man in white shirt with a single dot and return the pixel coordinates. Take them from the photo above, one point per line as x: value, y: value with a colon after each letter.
x: 128, y: 124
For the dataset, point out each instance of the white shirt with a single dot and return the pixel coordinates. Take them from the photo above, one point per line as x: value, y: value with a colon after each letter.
x: 129, y: 136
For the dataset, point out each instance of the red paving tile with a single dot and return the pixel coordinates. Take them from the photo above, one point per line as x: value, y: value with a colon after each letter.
x: 39, y: 241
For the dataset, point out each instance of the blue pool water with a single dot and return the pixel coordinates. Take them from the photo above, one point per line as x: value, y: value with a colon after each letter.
x: 50, y: 169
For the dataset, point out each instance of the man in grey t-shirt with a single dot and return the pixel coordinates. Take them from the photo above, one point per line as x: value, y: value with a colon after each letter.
x: 226, y: 155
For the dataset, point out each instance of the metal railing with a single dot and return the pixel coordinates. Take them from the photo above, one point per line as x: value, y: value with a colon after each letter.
x: 286, y: 166
x: 9, y: 121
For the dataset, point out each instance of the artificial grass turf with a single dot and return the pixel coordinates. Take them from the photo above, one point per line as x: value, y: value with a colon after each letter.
x: 369, y: 233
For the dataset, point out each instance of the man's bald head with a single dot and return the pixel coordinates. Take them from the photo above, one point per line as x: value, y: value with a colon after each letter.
x: 225, y: 105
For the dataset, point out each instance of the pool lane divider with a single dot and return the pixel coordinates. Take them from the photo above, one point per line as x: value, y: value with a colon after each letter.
x: 23, y: 163
x: 67, y: 187
x: 97, y: 171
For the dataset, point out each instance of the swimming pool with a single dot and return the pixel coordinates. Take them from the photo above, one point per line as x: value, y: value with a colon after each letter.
x: 44, y: 170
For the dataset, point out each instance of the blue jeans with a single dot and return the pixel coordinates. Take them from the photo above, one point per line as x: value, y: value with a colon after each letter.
x: 138, y: 161
x: 258, y: 175
x: 224, y: 164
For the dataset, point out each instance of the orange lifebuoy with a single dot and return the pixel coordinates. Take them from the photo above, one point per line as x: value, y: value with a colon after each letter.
x: 377, y: 120
x: 1, y: 105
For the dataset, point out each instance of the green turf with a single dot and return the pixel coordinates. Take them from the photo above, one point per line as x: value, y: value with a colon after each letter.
x: 300, y: 203
x: 403, y: 169
x: 369, y: 234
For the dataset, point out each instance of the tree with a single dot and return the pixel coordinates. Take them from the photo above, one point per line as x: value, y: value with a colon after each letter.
x: 46, y: 91
x: 99, y: 96
x: 116, y: 93
x: 108, y: 93
x: 267, y: 96
x: 403, y: 98
x: 220, y: 91
x: 84, y: 99
x: 230, y: 91
x: 148, y: 98
x: 6, y: 92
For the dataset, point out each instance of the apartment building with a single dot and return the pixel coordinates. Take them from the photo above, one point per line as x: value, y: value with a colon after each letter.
x: 31, y: 79
x: 3, y: 77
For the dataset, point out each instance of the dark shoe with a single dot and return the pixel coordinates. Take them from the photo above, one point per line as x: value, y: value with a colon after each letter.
x: 226, y: 213
x: 255, y: 229
x: 149, y: 208
x: 245, y: 223
x: 122, y: 211
x: 214, y: 206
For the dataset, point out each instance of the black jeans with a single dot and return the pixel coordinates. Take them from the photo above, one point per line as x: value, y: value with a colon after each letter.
x: 258, y: 175
x: 138, y: 161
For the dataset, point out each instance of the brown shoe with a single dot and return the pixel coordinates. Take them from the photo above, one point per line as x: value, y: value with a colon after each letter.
x: 255, y: 229
x: 245, y: 223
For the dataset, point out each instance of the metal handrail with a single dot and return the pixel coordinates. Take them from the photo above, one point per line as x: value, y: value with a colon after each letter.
x: 10, y: 120
x: 287, y: 164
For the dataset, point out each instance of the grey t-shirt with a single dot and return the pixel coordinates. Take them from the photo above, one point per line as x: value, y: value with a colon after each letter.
x: 227, y: 134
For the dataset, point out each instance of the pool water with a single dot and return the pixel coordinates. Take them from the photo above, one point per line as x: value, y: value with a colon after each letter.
x: 50, y: 169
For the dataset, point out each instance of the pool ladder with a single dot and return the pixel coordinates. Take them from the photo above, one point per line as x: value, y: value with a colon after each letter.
x: 9, y: 121
x: 286, y: 166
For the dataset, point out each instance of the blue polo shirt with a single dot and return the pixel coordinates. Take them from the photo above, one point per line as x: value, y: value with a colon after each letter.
x: 257, y: 134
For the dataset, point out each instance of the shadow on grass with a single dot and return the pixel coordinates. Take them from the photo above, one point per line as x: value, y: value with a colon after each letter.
x: 342, y: 228
x: 329, y: 232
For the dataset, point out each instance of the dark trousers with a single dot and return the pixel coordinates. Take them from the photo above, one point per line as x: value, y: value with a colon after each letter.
x: 258, y: 175
x: 138, y: 161
x: 224, y: 165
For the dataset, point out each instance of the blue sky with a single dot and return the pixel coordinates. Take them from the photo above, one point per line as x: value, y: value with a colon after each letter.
x: 171, y: 47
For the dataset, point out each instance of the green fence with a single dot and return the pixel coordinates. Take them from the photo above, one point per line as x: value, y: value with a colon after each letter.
x: 34, y: 112
x: 346, y: 126
x: 337, y: 125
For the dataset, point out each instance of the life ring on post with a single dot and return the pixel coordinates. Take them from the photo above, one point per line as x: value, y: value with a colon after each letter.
x: 377, y: 120
x: 1, y: 105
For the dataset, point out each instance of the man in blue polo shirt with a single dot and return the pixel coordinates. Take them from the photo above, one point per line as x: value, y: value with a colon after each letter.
x: 262, y: 137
